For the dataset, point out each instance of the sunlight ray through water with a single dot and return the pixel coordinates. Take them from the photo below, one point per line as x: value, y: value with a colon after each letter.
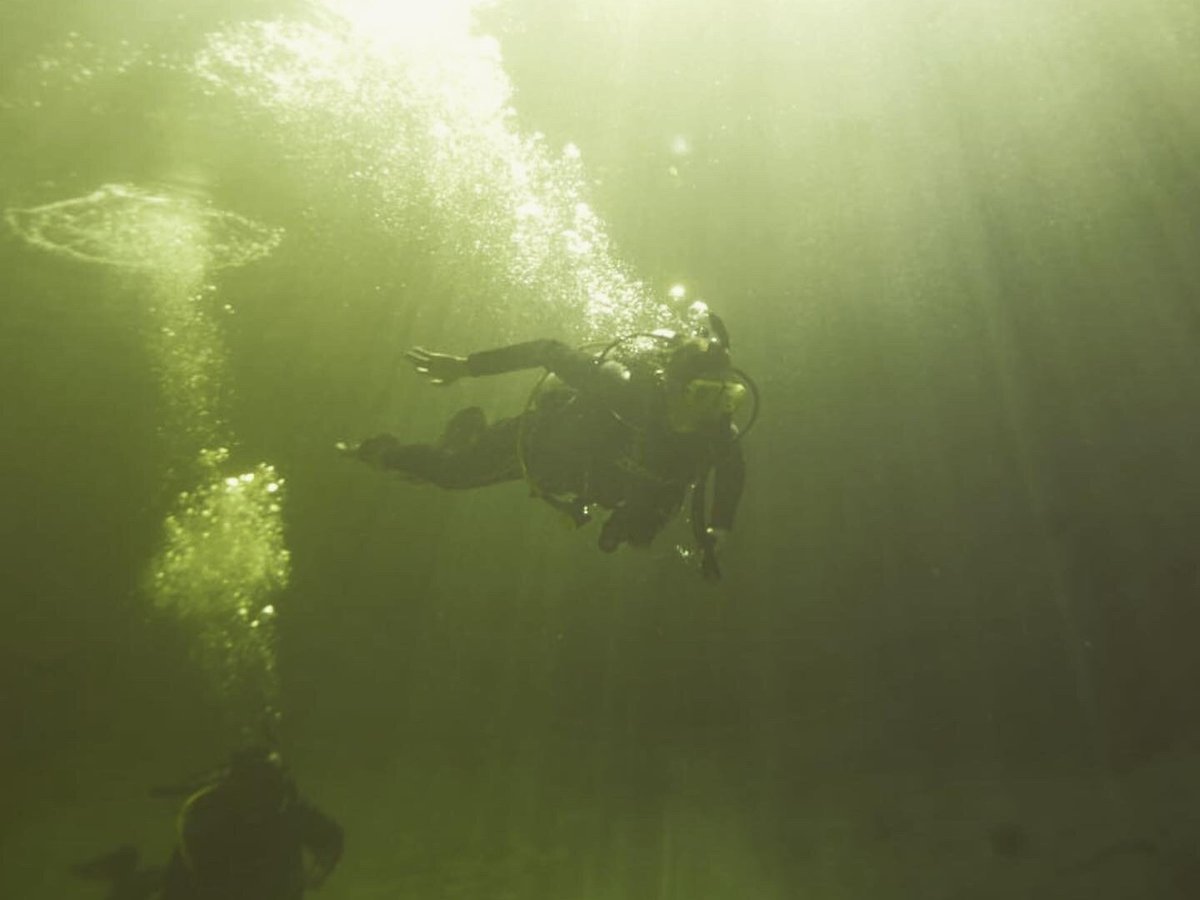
x: 413, y: 107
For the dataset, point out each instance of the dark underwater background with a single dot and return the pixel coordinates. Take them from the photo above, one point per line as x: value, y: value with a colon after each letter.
x: 954, y: 651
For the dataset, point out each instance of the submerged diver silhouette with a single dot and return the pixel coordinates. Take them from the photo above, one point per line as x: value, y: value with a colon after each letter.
x: 629, y: 429
x: 244, y: 833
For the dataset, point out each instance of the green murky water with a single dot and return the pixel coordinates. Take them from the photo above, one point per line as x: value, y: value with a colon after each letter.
x: 952, y: 654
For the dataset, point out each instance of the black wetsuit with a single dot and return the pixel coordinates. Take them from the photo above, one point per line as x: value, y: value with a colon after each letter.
x: 223, y: 855
x: 598, y: 434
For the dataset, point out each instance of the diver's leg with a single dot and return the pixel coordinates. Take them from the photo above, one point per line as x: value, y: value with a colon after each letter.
x: 384, y: 451
x: 640, y: 518
x: 464, y: 428
x: 490, y: 457
x: 470, y: 454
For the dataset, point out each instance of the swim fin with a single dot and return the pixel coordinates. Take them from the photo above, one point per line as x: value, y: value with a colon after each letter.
x: 120, y: 870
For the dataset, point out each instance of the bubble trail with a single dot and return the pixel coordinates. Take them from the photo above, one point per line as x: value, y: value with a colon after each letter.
x: 223, y: 560
x: 409, y: 108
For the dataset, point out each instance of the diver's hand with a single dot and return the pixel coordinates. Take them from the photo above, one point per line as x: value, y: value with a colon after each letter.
x: 710, y: 568
x: 316, y: 871
x: 440, y: 368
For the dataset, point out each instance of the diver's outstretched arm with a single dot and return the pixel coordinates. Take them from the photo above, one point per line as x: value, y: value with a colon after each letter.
x: 444, y: 368
x: 607, y: 383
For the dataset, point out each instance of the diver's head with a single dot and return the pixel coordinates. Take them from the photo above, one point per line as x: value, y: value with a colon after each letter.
x: 257, y: 783
x: 702, y: 388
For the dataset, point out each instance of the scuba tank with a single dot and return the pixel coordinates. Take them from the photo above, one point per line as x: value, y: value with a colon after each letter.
x: 647, y: 357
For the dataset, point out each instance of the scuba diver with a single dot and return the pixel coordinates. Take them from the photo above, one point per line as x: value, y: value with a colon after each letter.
x: 630, y: 428
x: 244, y: 833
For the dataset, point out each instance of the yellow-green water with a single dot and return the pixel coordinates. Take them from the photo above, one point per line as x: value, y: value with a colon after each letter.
x: 954, y: 243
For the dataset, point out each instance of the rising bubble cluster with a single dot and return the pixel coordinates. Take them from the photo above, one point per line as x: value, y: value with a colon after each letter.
x: 131, y: 227
x: 223, y: 563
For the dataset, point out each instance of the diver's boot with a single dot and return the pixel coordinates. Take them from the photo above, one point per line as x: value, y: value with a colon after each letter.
x: 373, y: 451
x: 120, y: 871
x: 414, y: 462
x: 117, y: 866
x: 574, y: 509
